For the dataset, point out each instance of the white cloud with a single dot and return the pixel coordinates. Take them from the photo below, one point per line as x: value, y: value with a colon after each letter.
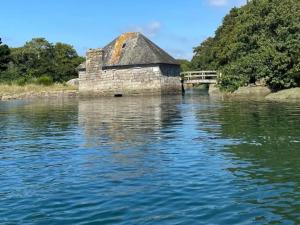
x: 151, y: 29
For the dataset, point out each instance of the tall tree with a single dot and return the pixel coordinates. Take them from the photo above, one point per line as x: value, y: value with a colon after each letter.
x: 4, y: 56
x: 66, y: 60
x: 39, y: 58
x: 257, y: 41
x: 35, y: 58
x: 204, y: 58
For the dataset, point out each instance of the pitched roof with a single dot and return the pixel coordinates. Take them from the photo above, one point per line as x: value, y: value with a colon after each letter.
x: 135, y: 49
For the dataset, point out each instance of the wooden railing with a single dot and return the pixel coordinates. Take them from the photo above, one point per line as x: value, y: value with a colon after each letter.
x: 199, y: 77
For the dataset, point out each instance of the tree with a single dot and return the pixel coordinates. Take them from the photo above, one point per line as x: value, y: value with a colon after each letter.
x: 257, y: 41
x: 4, y: 56
x: 35, y: 58
x: 40, y: 58
x: 185, y: 65
x: 66, y: 60
x: 204, y: 58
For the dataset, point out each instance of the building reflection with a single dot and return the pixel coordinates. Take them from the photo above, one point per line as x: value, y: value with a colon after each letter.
x: 128, y: 121
x: 127, y: 133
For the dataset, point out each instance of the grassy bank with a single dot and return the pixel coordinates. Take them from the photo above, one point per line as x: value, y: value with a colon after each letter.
x: 14, y: 91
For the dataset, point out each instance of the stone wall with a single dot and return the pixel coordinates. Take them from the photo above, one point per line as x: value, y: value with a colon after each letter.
x: 170, y: 79
x: 131, y: 81
x: 94, y: 60
x: 170, y: 70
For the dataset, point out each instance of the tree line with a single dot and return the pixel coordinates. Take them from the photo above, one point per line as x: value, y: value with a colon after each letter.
x: 258, y: 41
x: 38, y: 59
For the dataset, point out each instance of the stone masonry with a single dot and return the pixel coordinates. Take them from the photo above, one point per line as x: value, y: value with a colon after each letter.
x: 96, y: 78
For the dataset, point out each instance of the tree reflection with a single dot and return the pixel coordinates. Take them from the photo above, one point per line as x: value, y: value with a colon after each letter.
x: 41, y: 118
x: 267, y: 157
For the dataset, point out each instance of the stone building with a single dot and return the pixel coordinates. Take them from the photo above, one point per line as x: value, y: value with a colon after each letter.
x: 129, y: 65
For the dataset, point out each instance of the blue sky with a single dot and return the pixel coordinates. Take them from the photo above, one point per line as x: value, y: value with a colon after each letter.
x: 175, y: 25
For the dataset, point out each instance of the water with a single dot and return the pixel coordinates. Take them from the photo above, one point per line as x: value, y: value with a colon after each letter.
x: 149, y: 160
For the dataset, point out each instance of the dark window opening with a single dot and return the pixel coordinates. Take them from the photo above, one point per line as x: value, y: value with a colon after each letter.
x: 118, y: 95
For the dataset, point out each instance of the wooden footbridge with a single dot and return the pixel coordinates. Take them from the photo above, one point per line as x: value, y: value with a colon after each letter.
x: 199, y: 77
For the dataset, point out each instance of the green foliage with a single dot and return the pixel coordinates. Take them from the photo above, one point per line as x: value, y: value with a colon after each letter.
x: 258, y: 40
x: 39, y: 57
x: 185, y: 65
x: 204, y: 58
x: 4, y: 56
x: 45, y: 80
x: 21, y: 81
x: 10, y: 74
x: 66, y: 61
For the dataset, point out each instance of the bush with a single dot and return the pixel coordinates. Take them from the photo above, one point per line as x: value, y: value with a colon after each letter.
x: 9, y: 75
x: 21, y: 81
x: 45, y: 80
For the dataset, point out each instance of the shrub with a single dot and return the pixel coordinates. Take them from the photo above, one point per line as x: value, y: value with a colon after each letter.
x: 9, y: 75
x: 45, y: 80
x: 21, y: 81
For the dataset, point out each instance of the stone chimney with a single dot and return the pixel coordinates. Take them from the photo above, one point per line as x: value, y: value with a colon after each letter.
x: 94, y: 60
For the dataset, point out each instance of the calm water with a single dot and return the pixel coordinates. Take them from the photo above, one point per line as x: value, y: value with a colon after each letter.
x: 149, y: 160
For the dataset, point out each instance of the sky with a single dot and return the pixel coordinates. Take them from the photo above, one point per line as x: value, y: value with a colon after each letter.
x: 177, y: 26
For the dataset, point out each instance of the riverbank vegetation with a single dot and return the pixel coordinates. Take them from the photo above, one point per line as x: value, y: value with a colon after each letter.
x: 13, y: 89
x: 30, y: 91
x: 258, y: 41
x: 38, y: 62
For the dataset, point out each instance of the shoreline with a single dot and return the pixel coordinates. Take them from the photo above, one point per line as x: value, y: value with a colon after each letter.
x: 258, y: 92
x: 31, y: 91
x: 59, y: 91
x: 44, y: 94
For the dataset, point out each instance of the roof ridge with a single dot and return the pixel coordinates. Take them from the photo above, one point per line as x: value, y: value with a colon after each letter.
x: 134, y: 48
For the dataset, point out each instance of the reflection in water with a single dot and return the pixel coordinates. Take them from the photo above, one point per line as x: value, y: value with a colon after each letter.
x: 149, y: 160
x: 128, y: 122
x: 133, y: 125
x: 26, y: 125
x: 266, y: 162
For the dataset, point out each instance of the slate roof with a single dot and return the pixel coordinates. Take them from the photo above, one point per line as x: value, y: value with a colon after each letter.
x: 134, y: 49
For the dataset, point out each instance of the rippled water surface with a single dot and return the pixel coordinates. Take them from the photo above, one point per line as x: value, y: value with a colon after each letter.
x: 149, y: 160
